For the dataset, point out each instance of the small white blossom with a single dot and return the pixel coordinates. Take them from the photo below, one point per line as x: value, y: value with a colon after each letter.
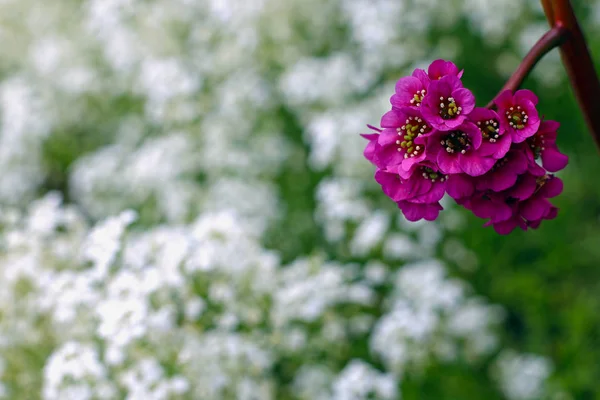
x: 522, y: 376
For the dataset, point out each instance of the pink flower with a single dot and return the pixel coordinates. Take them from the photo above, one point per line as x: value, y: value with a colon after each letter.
x: 551, y: 213
x: 369, y: 152
x: 505, y: 172
x: 447, y: 104
x: 487, y: 204
x: 456, y: 151
x: 434, y: 141
x: 460, y: 186
x: 518, y: 115
x: 544, y: 143
x: 509, y: 225
x: 523, y: 189
x: 536, y: 207
x: 441, y: 68
x: 414, y: 212
x: 418, y: 197
x: 402, y: 142
x: 495, y: 142
x: 426, y: 186
x: 410, y: 90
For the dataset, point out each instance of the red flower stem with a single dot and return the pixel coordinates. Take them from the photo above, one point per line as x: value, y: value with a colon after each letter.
x: 578, y: 63
x: 551, y: 39
x: 549, y: 11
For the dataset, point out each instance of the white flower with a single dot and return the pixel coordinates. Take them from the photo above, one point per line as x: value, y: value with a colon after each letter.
x: 360, y: 381
x: 522, y: 376
x: 75, y: 371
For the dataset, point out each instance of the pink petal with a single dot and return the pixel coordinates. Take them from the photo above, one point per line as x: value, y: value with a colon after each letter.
x: 502, y: 180
x: 414, y: 212
x: 408, y: 165
x: 473, y: 132
x: 387, y: 137
x: 534, y: 169
x: 549, y: 128
x: 553, y: 160
x: 496, y: 150
x: 535, y: 208
x: 408, y: 85
x: 369, y: 152
x: 482, y: 114
x: 370, y: 136
x: 448, y: 163
x: 434, y: 195
x: 483, y: 207
x: 430, y: 113
x: 525, y: 94
x: 440, y: 68
x: 465, y: 99
x: 524, y: 188
x: 552, y: 188
x: 459, y: 186
x: 506, y: 227
x: 392, y: 119
x: 422, y: 76
x: 431, y: 211
x: 450, y: 124
x: 504, y: 100
x: 475, y: 165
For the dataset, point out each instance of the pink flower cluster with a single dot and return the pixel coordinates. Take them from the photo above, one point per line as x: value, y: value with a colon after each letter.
x: 435, y: 141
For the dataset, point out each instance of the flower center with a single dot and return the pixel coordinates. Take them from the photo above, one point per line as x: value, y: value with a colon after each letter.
x: 418, y: 98
x: 456, y: 142
x: 536, y: 144
x: 489, y: 130
x: 448, y: 108
x: 413, y: 127
x: 517, y: 118
x: 432, y: 175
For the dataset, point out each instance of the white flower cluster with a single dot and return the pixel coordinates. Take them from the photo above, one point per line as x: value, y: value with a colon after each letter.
x: 204, y: 310
x: 522, y: 376
x: 430, y: 314
x: 185, y: 136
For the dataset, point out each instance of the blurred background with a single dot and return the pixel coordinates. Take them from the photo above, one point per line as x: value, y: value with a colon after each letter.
x: 186, y: 212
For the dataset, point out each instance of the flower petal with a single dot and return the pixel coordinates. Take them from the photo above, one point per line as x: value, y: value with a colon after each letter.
x: 504, y: 100
x: 465, y: 99
x: 392, y: 119
x: 551, y: 188
x: 525, y: 94
x: 459, y: 186
x: 553, y: 160
x: 387, y: 137
x: 422, y: 76
x: 369, y: 152
x: 440, y: 68
x: 502, y: 180
x: 506, y: 227
x: 414, y: 212
x: 535, y: 208
x: 448, y: 163
x: 434, y: 195
x: 524, y: 188
x: 475, y: 165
